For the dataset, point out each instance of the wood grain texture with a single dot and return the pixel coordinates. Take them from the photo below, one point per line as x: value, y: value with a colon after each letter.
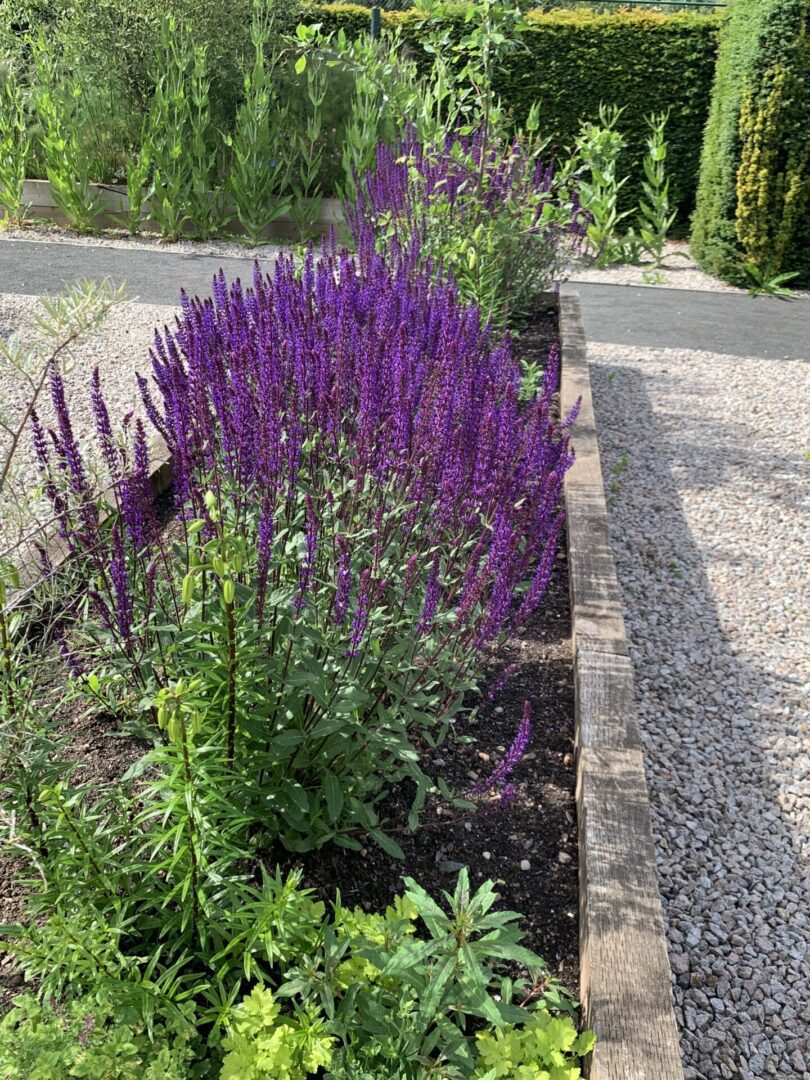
x: 625, y: 981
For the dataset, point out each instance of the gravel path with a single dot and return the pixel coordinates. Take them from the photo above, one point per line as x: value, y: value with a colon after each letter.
x: 706, y: 468
x: 119, y: 348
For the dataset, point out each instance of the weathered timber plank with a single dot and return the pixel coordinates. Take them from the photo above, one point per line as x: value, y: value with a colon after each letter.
x: 625, y: 981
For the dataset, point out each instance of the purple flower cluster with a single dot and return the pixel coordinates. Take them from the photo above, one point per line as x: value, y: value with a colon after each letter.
x: 535, y: 215
x: 365, y: 372
x: 355, y: 373
x: 350, y: 438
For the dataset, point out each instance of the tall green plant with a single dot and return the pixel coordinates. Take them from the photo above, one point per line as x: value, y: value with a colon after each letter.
x: 309, y: 155
x: 139, y: 169
x: 260, y: 144
x: 59, y: 100
x: 180, y: 136
x: 655, y: 215
x: 596, y: 158
x: 14, y: 144
x: 492, y: 32
x: 365, y: 126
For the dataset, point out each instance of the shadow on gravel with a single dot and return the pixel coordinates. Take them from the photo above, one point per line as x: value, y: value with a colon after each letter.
x: 723, y: 748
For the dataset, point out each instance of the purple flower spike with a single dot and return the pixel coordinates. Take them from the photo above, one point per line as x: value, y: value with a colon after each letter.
x: 497, y: 779
x: 344, y: 584
x: 432, y: 596
x: 506, y: 675
x: 120, y: 580
x: 361, y: 611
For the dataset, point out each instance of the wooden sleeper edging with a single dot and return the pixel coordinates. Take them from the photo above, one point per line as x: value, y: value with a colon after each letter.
x: 625, y: 983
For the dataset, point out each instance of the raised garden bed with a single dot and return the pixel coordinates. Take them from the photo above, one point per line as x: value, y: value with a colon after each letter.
x: 38, y: 197
x: 582, y: 696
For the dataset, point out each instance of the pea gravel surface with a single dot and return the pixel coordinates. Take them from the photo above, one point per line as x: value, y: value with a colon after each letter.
x: 120, y: 347
x: 705, y: 462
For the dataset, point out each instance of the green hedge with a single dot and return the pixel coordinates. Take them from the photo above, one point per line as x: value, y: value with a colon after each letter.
x: 755, y: 186
x: 576, y: 59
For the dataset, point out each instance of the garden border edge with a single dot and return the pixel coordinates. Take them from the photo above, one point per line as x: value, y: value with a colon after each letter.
x: 625, y: 981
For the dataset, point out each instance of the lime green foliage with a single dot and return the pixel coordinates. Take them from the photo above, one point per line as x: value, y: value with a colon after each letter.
x: 14, y: 143
x: 259, y: 167
x: 60, y: 105
x: 772, y: 180
x: 573, y: 61
x: 399, y: 1001
x: 546, y: 1048
x: 261, y: 1044
x: 91, y: 1039
x: 755, y: 172
x: 421, y: 989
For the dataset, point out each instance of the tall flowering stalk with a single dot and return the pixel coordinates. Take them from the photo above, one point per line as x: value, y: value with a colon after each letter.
x: 491, y: 213
x: 365, y: 506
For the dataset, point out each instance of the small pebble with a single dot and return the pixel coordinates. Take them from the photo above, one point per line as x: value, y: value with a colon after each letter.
x: 525, y: 864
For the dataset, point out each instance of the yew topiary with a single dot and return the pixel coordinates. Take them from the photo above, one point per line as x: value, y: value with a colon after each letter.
x: 754, y: 189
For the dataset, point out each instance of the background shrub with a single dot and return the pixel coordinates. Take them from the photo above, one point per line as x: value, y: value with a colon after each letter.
x: 575, y: 60
x: 754, y: 174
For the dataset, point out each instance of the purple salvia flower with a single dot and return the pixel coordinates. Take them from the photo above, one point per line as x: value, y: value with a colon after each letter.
x: 40, y: 441
x: 104, y: 427
x: 505, y: 676
x: 541, y: 577
x: 121, y: 589
x: 505, y: 767
x: 344, y: 583
x: 433, y: 591
x: 361, y: 613
x: 571, y: 418
x: 68, y: 654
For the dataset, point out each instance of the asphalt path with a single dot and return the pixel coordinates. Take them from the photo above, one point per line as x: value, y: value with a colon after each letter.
x: 716, y: 322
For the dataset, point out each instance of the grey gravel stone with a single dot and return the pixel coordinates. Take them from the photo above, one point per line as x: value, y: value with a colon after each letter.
x: 709, y: 514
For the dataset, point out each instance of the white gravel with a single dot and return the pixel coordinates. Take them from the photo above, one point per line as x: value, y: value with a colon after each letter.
x: 119, y: 348
x: 680, y: 271
x: 705, y: 465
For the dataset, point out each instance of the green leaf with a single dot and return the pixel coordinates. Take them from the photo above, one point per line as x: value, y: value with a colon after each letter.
x: 584, y: 1043
x: 300, y: 64
x: 430, y: 999
x: 333, y: 793
x: 389, y: 846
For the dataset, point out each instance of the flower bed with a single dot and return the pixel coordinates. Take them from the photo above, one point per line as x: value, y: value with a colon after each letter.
x: 323, y: 506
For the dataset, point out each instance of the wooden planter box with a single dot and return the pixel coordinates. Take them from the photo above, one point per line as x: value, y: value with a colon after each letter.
x: 38, y: 196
